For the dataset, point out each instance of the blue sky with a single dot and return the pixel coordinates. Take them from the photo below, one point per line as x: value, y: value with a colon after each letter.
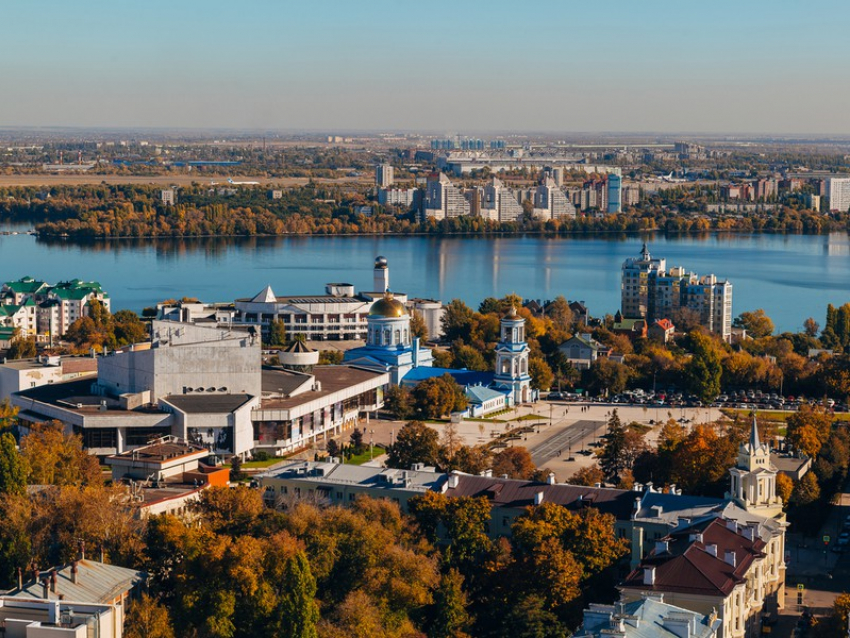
x: 640, y: 65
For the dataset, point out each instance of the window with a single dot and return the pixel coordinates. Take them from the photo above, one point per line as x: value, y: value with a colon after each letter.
x: 100, y: 437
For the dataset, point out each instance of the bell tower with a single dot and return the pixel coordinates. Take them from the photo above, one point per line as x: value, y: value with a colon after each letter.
x: 512, y: 358
x: 754, y: 478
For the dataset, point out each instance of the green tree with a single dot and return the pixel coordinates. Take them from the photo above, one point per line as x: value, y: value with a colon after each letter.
x: 451, y: 618
x: 618, y: 452
x: 397, y: 402
x: 608, y: 376
x: 530, y: 619
x: 356, y: 441
x: 414, y: 443
x: 704, y: 371
x: 457, y: 321
x: 128, y: 328
x: 297, y: 612
x: 490, y: 305
x: 277, y: 333
x: 468, y: 358
x: 13, y: 468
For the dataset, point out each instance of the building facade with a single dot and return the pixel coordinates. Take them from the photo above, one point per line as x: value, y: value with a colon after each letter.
x: 44, y: 310
x: 651, y: 291
x: 839, y: 194
x: 384, y: 175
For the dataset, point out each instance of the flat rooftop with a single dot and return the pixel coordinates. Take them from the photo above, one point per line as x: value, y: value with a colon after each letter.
x: 332, y: 379
x: 76, y: 396
x: 161, y: 451
x: 207, y: 403
x: 283, y: 382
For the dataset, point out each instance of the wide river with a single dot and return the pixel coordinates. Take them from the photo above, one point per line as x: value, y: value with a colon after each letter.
x: 791, y: 276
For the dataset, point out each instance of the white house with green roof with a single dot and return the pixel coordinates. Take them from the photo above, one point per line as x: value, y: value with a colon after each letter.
x: 41, y: 309
x: 21, y: 316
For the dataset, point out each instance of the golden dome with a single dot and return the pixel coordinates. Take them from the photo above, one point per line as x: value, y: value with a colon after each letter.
x: 387, y: 308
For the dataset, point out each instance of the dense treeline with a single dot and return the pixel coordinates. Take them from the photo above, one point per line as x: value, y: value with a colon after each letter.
x: 136, y: 211
x: 234, y: 567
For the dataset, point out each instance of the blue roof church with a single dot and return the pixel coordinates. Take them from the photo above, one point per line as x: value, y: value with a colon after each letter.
x: 512, y: 359
x: 389, y: 345
x: 390, y: 348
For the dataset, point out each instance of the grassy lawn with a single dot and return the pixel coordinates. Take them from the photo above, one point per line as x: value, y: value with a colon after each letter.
x: 775, y: 415
x: 485, y: 420
x: 360, y: 459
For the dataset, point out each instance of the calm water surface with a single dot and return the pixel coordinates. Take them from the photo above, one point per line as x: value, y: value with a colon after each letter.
x: 791, y: 276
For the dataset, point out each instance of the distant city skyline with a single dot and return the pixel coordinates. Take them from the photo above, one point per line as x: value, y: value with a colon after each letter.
x: 661, y: 67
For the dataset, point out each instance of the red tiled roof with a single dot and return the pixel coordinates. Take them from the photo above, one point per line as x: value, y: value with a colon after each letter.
x: 518, y: 494
x: 665, y: 324
x: 688, y: 566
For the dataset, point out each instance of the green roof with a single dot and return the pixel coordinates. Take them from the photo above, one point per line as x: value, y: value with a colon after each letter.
x: 25, y: 285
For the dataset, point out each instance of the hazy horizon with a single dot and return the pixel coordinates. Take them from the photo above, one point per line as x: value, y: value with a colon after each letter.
x: 725, y: 68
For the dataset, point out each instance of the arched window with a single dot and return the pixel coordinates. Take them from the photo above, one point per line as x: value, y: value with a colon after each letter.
x: 397, y: 337
x: 406, y: 337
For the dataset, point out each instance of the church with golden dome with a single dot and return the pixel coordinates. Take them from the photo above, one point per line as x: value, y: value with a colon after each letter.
x: 389, y: 344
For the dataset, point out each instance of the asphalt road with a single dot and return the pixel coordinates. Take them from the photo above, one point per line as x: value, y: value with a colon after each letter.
x: 567, y: 441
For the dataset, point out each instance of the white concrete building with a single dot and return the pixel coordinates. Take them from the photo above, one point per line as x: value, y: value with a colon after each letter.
x: 550, y: 202
x: 300, y: 409
x: 443, y: 199
x: 384, y: 175
x: 22, y: 374
x: 401, y: 197
x: 195, y: 382
x: 839, y: 194
x: 499, y: 203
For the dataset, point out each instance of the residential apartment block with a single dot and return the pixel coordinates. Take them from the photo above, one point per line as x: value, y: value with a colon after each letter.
x: 839, y: 194
x: 443, y: 199
x: 43, y: 310
x: 651, y: 291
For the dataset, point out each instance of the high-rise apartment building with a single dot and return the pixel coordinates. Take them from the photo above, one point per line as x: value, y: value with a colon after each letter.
x: 615, y: 194
x: 650, y: 291
x: 550, y: 202
x: 384, y: 175
x: 499, y: 203
x: 401, y: 197
x: 631, y: 195
x: 443, y: 199
x: 839, y: 194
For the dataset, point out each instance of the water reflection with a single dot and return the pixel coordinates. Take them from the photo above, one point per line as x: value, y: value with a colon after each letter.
x: 767, y: 271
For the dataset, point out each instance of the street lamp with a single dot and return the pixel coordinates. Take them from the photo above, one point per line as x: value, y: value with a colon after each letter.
x: 371, y: 438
